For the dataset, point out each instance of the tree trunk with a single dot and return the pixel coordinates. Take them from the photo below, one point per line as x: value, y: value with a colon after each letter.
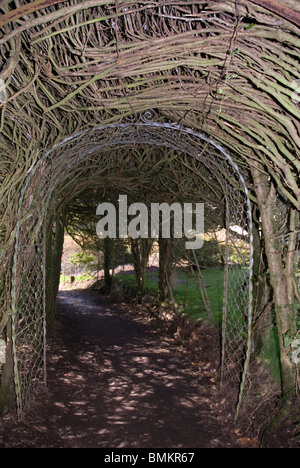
x: 262, y: 304
x: 164, y: 268
x: 54, y: 249
x: 284, y: 308
x: 140, y: 249
x: 7, y: 394
x: 107, y: 261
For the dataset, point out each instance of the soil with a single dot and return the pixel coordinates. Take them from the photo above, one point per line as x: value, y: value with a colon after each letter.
x: 117, y: 378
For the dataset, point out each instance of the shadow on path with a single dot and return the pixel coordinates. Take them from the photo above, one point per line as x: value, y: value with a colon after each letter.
x: 114, y: 382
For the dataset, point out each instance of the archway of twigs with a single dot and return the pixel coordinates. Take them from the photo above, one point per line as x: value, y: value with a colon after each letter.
x: 222, y: 76
x: 143, y: 158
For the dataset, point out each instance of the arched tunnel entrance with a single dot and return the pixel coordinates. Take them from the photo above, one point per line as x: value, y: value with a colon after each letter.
x: 163, y: 101
x: 83, y: 160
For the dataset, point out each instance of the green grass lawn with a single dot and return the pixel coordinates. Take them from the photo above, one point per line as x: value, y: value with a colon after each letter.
x: 79, y: 278
x: 186, y: 292
x: 188, y: 298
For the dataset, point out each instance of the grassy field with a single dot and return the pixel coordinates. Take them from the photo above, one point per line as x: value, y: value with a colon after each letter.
x: 78, y: 278
x: 186, y: 291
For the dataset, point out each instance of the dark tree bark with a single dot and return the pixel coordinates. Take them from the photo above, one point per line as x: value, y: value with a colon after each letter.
x: 284, y: 305
x: 140, y: 250
x: 164, y: 268
x: 108, y: 250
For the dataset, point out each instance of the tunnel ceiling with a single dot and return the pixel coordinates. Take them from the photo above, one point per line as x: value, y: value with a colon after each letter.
x: 168, y: 176
x: 229, y: 70
x: 147, y: 160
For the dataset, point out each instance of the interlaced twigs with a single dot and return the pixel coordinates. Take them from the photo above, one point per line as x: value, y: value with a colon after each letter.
x: 229, y: 70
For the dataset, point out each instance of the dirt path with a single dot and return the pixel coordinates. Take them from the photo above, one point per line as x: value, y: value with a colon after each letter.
x: 113, y: 381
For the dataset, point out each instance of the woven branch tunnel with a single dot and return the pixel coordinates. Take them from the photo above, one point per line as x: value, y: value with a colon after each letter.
x: 175, y: 100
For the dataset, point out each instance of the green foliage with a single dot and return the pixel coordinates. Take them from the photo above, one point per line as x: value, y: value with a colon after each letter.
x: 85, y: 259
